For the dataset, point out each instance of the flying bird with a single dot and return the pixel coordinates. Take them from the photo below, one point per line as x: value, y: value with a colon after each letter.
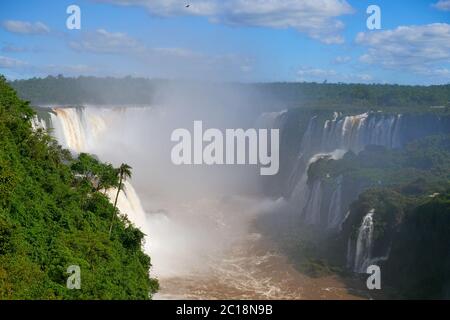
x: 187, y: 6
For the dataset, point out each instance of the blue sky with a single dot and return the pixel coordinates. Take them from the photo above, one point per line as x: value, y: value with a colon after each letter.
x: 240, y: 40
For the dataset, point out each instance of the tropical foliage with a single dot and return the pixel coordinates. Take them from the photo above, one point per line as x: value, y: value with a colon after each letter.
x: 54, y: 214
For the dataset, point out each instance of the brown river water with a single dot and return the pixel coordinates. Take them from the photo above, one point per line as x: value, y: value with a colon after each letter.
x: 248, y: 266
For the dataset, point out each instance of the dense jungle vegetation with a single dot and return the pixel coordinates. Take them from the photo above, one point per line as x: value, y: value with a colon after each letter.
x: 54, y: 214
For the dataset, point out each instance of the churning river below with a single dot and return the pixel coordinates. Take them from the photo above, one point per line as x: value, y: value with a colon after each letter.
x: 231, y: 261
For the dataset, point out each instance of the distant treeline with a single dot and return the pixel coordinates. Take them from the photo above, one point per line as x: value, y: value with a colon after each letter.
x: 86, y: 90
x: 129, y: 90
x: 340, y: 95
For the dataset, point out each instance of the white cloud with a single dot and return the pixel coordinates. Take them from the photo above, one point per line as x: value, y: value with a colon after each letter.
x: 7, y: 63
x: 330, y: 75
x: 102, y: 41
x: 160, y: 61
x: 436, y: 72
x: 43, y: 70
x: 25, y: 27
x: 342, y: 59
x: 316, y: 18
x: 443, y: 5
x: 420, y: 49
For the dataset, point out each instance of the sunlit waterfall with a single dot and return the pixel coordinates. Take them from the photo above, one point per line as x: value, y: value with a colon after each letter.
x: 356, y: 132
x: 334, y: 138
x: 81, y: 130
x: 350, y: 133
x: 77, y: 128
x: 129, y: 203
x: 363, y: 249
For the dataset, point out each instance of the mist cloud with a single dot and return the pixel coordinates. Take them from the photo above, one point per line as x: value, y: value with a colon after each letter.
x: 25, y: 27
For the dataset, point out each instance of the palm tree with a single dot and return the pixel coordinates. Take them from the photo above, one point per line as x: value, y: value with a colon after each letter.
x: 124, y: 173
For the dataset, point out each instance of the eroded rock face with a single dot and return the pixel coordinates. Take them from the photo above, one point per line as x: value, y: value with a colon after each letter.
x: 371, y: 221
x: 305, y: 142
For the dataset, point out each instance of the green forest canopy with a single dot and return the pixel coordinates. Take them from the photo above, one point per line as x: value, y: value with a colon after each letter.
x: 53, y: 215
x: 129, y: 90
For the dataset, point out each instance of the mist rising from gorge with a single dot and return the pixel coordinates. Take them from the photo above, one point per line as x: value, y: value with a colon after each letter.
x: 193, y: 213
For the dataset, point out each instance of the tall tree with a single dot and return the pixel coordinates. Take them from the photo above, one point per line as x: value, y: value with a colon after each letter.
x: 124, y: 173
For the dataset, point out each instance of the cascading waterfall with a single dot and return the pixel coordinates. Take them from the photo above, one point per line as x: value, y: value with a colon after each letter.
x: 364, y: 241
x: 307, y: 143
x: 129, y: 203
x: 309, y: 198
x: 37, y: 123
x: 80, y: 130
x: 270, y: 120
x: 334, y: 137
x: 299, y: 176
x: 356, y: 132
x: 350, y: 133
x: 312, y: 209
x: 353, y: 133
x: 77, y: 128
x: 334, y: 210
x: 341, y: 133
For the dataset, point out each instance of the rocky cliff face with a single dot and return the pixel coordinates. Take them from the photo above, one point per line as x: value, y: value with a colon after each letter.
x: 354, y: 178
x: 325, y: 200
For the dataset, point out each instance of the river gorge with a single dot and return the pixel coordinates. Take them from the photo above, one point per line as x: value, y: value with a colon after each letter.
x: 202, y: 236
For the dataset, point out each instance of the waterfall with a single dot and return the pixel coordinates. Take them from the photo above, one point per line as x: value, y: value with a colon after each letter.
x: 335, y: 137
x: 82, y: 130
x: 86, y: 129
x: 396, y: 132
x: 312, y: 209
x: 334, y: 210
x: 356, y: 132
x: 129, y: 203
x: 309, y: 198
x: 270, y: 120
x: 363, y: 251
x: 298, y: 176
x: 332, y: 138
x: 77, y: 129
x: 307, y: 143
x: 350, y: 133
x: 37, y: 123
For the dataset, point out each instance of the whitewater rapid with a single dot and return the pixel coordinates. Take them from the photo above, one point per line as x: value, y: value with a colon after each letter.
x: 240, y: 263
